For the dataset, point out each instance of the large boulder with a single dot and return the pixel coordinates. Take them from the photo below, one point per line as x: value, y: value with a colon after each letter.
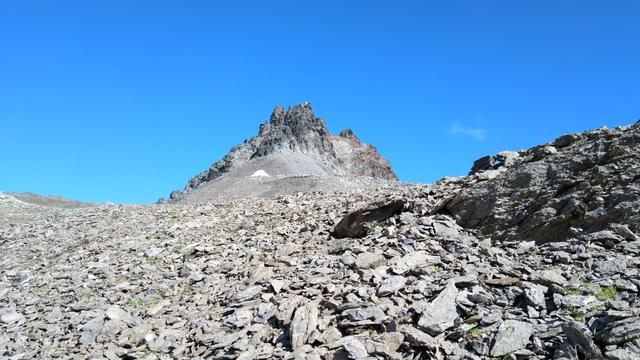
x: 355, y: 224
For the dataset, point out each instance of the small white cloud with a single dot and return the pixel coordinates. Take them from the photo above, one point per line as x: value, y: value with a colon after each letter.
x: 478, y: 134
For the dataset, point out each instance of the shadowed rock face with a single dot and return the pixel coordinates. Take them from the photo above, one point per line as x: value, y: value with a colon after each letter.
x: 354, y: 225
x: 298, y: 131
x: 576, y: 185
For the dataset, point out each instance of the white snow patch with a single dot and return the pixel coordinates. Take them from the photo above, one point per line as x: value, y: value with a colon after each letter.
x: 260, y: 173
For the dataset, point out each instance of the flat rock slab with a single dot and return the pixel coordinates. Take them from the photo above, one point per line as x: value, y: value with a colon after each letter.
x: 367, y: 260
x: 621, y: 331
x: 391, y: 284
x: 414, y: 260
x: 512, y: 336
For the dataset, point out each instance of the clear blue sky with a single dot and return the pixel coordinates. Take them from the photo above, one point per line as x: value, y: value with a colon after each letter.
x: 125, y: 100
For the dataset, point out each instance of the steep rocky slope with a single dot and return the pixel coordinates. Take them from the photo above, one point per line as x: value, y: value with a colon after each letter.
x: 576, y: 186
x: 292, y: 148
x: 392, y: 271
x: 48, y: 201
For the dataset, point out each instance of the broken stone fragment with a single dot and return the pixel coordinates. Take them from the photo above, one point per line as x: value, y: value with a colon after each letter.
x: 581, y: 338
x: 624, y: 231
x: 367, y: 260
x: 372, y: 313
x: 391, y: 284
x: 418, y: 338
x: 114, y: 312
x: 303, y: 324
x: 506, y: 281
x: 247, y: 294
x: 607, y: 238
x: 549, y: 277
x: 413, y: 260
x: 9, y: 316
x: 286, y: 308
x: 354, y: 347
x: 441, y: 314
x: 393, y: 340
x: 512, y: 336
x: 535, y: 296
x: 621, y: 331
x: 90, y: 330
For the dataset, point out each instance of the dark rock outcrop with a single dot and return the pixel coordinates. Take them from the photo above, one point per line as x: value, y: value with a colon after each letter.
x: 576, y: 185
x: 354, y: 225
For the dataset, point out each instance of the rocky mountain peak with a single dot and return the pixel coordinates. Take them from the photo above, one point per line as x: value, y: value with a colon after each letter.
x: 301, y: 114
x: 294, y: 142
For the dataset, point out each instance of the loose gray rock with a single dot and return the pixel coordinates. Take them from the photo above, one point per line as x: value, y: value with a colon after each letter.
x: 354, y: 348
x: 369, y: 260
x: 511, y: 336
x: 90, y: 330
x: 582, y: 340
x: 414, y: 260
x: 10, y: 316
x: 247, y: 294
x: 441, y: 314
x: 620, y: 332
x: 391, y: 284
x: 419, y: 338
x: 304, y: 323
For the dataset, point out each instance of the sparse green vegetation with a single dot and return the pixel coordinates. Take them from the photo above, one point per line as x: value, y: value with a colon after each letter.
x: 178, y: 248
x: 147, y: 353
x: 435, y: 268
x: 142, y: 302
x: 474, y: 333
x: 607, y: 293
x: 372, y: 330
x: 186, y: 291
x: 87, y: 294
x: 42, y: 288
x: 152, y: 260
x: 583, y: 288
x: 573, y: 292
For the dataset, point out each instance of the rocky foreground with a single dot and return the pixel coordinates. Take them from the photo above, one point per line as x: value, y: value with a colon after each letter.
x: 542, y: 265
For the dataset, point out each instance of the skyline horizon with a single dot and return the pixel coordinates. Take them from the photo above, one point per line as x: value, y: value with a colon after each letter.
x: 334, y: 133
x: 124, y: 101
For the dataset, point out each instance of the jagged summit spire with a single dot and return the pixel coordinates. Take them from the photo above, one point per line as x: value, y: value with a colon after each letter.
x: 277, y: 116
x: 296, y: 114
x: 349, y: 134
